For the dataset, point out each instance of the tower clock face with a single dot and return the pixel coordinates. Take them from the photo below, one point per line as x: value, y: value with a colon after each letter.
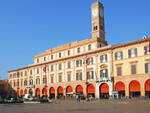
x: 95, y: 12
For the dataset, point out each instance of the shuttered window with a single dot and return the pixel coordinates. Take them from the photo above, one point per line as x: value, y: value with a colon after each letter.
x: 133, y: 69
x: 118, y: 55
x: 132, y: 52
x: 79, y: 76
x: 104, y: 73
x: 103, y: 58
x: 90, y: 75
x: 119, y: 71
x: 146, y: 50
x: 147, y: 68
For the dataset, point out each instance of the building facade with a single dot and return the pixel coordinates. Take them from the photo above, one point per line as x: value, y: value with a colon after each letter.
x: 4, y: 88
x: 90, y: 67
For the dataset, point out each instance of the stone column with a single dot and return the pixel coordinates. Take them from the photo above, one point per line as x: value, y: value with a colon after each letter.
x: 127, y: 90
x: 97, y: 95
x: 142, y: 85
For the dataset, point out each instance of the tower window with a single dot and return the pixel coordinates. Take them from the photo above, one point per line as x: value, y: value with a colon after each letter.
x: 95, y: 28
x: 78, y: 50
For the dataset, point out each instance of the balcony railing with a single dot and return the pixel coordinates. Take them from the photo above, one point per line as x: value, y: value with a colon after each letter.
x: 103, y: 79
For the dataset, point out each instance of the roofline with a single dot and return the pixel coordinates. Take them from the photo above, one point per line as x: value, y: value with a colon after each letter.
x: 109, y: 47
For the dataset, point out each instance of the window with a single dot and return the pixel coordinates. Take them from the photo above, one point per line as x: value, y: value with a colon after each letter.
x: 146, y: 50
x: 90, y: 74
x: 38, y: 81
x: 90, y: 61
x: 44, y: 58
x: 30, y: 72
x: 14, y: 75
x: 37, y: 60
x: 118, y: 55
x: 89, y: 47
x: 95, y: 28
x: 79, y: 76
x: 18, y: 83
x: 99, y: 45
x: 21, y: 74
x: 133, y: 69
x: 78, y: 50
x: 132, y: 52
x: 79, y: 63
x: 60, y: 78
x: 52, y: 68
x: 10, y: 76
x: 104, y: 73
x: 37, y: 70
x: 68, y: 52
x: 69, y: 65
x: 25, y: 73
x: 147, y: 68
x: 52, y: 79
x: 31, y: 82
x: 25, y: 83
x: 69, y: 77
x: 52, y: 57
x: 44, y: 80
x: 59, y: 55
x: 119, y: 71
x: 21, y: 82
x: 103, y: 58
x: 14, y: 84
x: 60, y: 67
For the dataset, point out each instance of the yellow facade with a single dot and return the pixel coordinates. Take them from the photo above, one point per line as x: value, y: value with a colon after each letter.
x: 102, y: 68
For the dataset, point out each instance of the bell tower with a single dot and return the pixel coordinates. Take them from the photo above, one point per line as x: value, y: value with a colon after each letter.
x: 98, y: 26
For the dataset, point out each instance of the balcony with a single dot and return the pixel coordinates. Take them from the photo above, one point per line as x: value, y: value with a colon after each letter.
x: 30, y: 86
x: 103, y: 79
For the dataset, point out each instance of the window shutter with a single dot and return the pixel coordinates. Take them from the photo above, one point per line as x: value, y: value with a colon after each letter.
x: 145, y: 50
x: 146, y: 68
x: 135, y: 51
x: 129, y: 53
x: 106, y: 75
x: 116, y: 56
x: 101, y: 73
x: 101, y: 58
x: 106, y: 57
x: 121, y: 55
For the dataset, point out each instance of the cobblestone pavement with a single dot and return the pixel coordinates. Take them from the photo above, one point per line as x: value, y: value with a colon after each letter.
x: 100, y: 106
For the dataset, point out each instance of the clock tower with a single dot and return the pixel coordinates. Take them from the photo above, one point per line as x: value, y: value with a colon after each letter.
x: 98, y: 26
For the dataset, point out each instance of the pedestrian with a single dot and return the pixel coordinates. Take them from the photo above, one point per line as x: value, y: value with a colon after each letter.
x: 77, y: 98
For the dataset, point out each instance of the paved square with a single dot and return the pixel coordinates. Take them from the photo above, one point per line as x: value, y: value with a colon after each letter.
x: 104, y: 106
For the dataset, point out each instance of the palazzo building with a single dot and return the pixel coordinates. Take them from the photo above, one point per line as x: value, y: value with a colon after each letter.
x: 90, y: 67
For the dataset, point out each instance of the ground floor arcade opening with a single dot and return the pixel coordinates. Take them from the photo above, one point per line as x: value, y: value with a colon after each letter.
x: 79, y: 91
x: 90, y: 91
x: 60, y: 93
x: 31, y: 92
x: 134, y: 89
x: 52, y: 93
x: 69, y: 93
x: 44, y: 92
x: 120, y: 87
x: 147, y: 89
x: 104, y: 91
x: 37, y: 92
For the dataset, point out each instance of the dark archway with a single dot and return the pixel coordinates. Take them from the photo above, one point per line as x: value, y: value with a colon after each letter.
x: 104, y: 91
x: 52, y: 93
x: 120, y: 87
x: 134, y: 89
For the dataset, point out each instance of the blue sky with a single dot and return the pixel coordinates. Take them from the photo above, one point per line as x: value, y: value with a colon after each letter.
x: 29, y: 27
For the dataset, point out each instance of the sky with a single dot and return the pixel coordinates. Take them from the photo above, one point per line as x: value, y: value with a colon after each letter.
x: 30, y: 27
